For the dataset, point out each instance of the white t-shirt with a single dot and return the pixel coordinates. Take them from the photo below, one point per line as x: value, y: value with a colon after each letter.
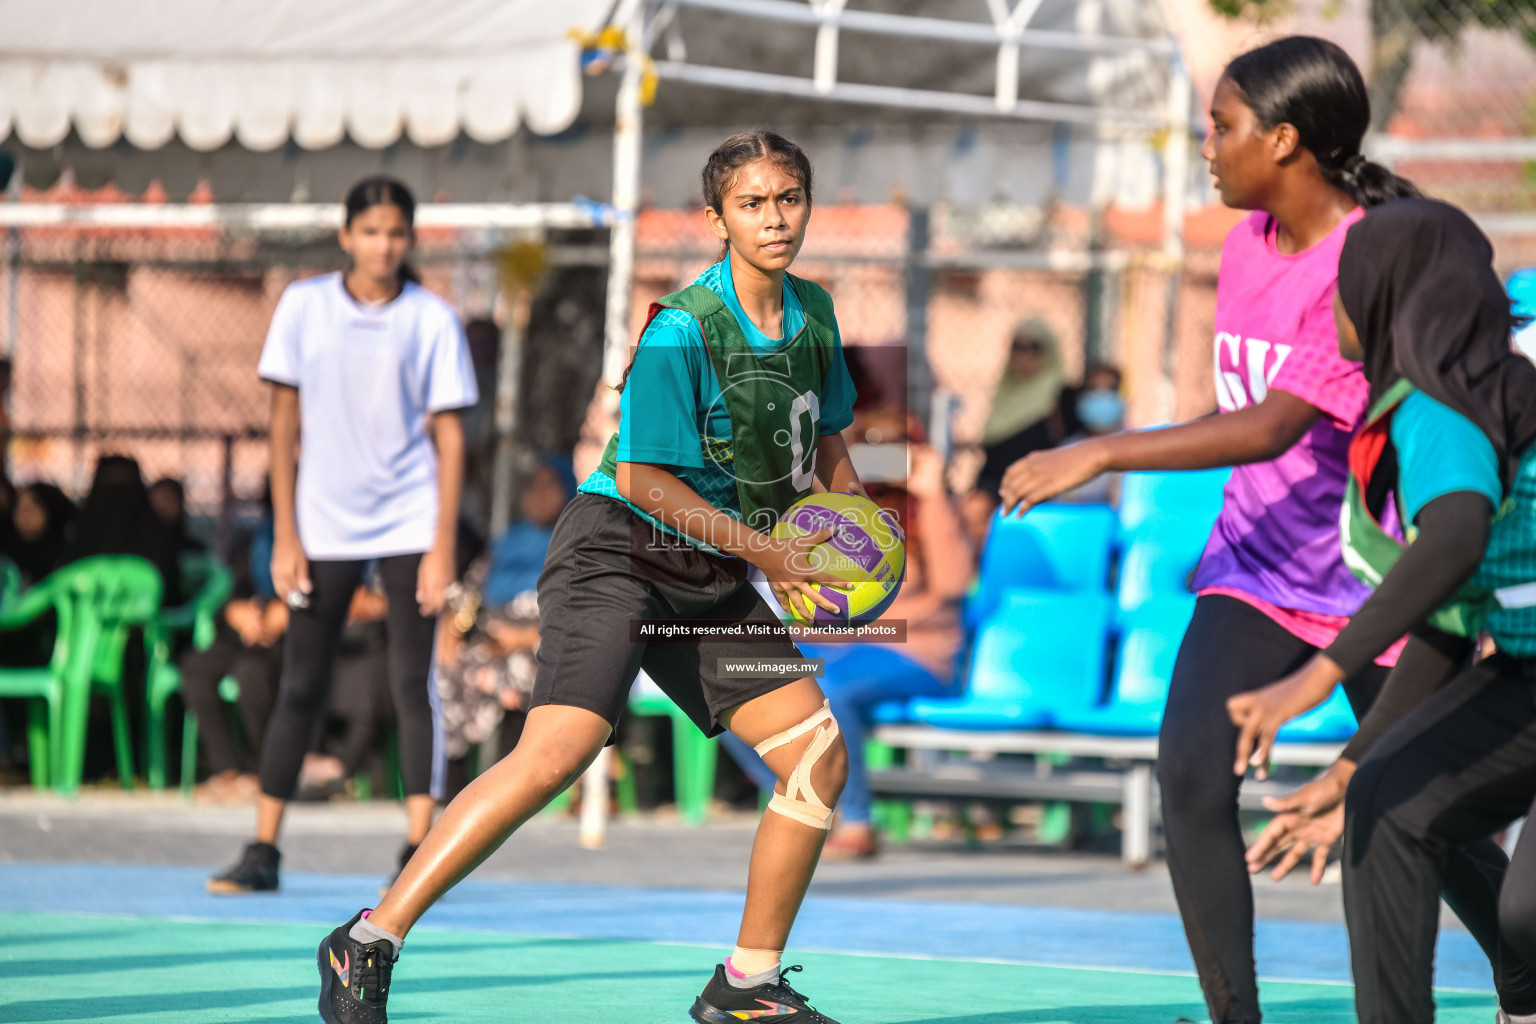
x: 368, y: 377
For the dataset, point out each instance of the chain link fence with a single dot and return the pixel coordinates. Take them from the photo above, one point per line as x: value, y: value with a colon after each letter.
x: 145, y: 342
x: 960, y: 281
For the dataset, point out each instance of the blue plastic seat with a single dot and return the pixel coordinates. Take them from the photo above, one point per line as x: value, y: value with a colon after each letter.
x: 1041, y: 654
x: 1149, y: 646
x: 1051, y: 547
x: 1159, y: 559
x: 1332, y: 721
x: 1186, y: 494
x: 1522, y: 293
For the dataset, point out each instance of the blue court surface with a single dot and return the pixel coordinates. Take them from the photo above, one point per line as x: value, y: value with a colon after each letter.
x: 130, y: 943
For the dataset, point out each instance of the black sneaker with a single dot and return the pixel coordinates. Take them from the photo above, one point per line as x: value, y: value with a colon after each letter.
x: 406, y: 853
x: 724, y: 1003
x: 255, y: 872
x: 354, y: 987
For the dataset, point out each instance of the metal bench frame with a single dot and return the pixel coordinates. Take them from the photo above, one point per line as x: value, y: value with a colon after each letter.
x: 1133, y: 787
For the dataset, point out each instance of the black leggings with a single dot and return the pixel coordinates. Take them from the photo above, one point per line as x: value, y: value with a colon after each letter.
x: 1230, y: 647
x: 1418, y: 817
x: 309, y: 661
x: 256, y: 670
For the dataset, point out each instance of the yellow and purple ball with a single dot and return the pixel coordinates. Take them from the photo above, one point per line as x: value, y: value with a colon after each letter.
x: 864, y: 550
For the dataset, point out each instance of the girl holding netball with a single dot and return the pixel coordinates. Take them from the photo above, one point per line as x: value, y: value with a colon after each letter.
x: 368, y: 372
x: 744, y: 389
x: 1287, y: 123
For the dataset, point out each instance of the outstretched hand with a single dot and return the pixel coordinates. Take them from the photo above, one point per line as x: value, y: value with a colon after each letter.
x: 1260, y: 713
x: 1042, y: 475
x: 1308, y: 820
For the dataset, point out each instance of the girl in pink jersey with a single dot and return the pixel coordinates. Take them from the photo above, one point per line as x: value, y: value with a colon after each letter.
x: 1287, y: 122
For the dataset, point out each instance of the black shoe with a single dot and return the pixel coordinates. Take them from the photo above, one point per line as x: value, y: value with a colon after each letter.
x: 406, y: 853
x: 256, y: 871
x: 354, y: 987
x: 775, y: 1002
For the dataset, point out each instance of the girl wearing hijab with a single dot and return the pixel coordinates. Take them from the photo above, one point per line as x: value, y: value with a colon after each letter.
x: 1449, y: 450
x: 118, y: 519
x: 1287, y: 122
x: 42, y: 518
x: 1026, y: 413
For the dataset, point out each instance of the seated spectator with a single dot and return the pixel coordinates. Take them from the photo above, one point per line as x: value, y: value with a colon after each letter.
x: 486, y: 646
x: 1100, y: 410
x: 117, y: 519
x: 168, y: 498
x: 1027, y: 415
x: 859, y: 676
x: 247, y: 646
x: 40, y: 528
x: 8, y: 494
x: 41, y: 521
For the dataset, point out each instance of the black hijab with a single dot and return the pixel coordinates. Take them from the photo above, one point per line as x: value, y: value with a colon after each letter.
x: 39, y: 557
x: 1416, y: 278
x: 117, y: 519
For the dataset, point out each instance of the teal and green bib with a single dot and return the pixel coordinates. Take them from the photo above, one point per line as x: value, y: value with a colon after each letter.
x: 1509, y: 566
x: 772, y: 399
x: 1369, y: 550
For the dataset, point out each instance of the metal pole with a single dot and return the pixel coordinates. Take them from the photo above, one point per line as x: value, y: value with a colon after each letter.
x: 12, y: 270
x: 1136, y: 816
x: 626, y: 197
x: 12, y: 316
x: 1176, y: 160
x: 594, y: 800
x: 1175, y: 186
x: 226, y: 538
x: 1097, y: 294
x: 509, y: 371
x: 919, y: 277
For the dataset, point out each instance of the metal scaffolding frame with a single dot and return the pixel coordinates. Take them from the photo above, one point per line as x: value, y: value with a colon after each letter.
x: 1007, y: 33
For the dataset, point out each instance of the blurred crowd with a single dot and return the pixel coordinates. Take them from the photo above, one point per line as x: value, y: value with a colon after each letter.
x: 487, y: 637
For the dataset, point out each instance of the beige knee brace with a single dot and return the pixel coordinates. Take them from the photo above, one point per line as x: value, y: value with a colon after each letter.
x: 799, y: 800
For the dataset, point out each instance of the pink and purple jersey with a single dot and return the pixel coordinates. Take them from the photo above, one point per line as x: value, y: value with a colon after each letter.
x: 1276, y: 542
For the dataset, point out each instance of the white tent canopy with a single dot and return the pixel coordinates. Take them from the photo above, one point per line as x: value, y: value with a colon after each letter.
x: 262, y: 72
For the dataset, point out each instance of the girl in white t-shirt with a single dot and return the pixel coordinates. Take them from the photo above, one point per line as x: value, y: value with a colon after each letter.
x: 368, y: 372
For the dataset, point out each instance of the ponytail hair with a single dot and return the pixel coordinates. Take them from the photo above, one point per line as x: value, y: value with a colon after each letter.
x: 1312, y: 84
x: 384, y: 191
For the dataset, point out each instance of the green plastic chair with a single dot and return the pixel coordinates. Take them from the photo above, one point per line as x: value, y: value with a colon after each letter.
x: 210, y: 583
x: 10, y: 583
x: 98, y: 601
x: 38, y: 685
x: 694, y: 755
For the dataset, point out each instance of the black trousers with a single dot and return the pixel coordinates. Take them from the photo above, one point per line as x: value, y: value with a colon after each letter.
x: 256, y: 670
x: 1419, y: 814
x: 309, y: 662
x: 1230, y: 647
x: 360, y: 695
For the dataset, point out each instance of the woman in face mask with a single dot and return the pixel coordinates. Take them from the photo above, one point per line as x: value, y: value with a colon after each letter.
x: 1100, y: 411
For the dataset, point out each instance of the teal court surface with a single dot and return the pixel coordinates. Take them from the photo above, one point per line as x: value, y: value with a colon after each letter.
x: 141, y: 943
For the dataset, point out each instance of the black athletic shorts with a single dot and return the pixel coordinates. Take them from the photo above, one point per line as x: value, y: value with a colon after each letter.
x: 607, y: 568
